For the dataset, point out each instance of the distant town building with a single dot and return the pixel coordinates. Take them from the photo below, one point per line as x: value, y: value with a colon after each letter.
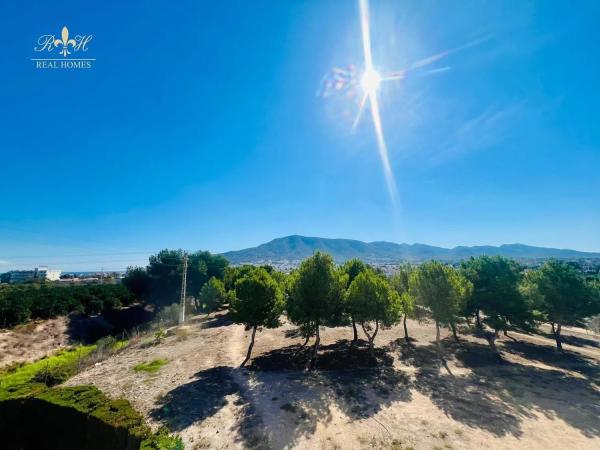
x: 37, y: 274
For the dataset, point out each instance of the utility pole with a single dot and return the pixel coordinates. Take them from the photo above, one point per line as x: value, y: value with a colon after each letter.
x: 183, y: 288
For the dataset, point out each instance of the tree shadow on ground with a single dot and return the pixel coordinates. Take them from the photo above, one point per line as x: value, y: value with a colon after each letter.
x: 197, y: 400
x: 497, y: 395
x: 576, y: 341
x: 293, y: 333
x: 276, y: 389
x: 551, y: 356
x: 205, y: 396
x: 347, y: 378
x: 218, y: 319
x: 338, y: 356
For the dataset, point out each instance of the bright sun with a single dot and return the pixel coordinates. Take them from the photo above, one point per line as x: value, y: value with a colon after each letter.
x: 370, y: 81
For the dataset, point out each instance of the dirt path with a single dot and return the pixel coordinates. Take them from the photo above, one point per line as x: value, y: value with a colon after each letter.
x: 534, y: 399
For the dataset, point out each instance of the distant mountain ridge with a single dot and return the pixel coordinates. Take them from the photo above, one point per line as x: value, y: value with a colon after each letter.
x: 295, y: 247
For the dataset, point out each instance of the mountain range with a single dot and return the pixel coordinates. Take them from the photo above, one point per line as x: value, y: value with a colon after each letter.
x: 294, y: 248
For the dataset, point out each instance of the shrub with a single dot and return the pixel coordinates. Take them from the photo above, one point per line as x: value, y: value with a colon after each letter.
x: 51, y: 376
x: 169, y: 315
x: 64, y: 360
x: 106, y: 344
x: 78, y: 417
x: 159, y: 335
x: 21, y: 303
x: 151, y: 366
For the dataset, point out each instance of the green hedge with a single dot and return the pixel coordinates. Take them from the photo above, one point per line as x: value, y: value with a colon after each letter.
x: 63, y: 362
x: 20, y: 303
x: 33, y: 416
x: 36, y: 416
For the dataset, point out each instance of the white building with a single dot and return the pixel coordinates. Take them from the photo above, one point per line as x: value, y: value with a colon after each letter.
x: 37, y: 274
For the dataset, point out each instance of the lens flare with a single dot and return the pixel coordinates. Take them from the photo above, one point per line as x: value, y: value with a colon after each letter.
x: 362, y: 86
x: 370, y: 81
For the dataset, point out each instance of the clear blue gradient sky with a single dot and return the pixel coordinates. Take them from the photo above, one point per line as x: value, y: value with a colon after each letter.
x: 199, y: 127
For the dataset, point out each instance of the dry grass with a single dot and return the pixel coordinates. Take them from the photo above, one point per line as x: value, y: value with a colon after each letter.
x: 33, y: 340
x: 532, y: 398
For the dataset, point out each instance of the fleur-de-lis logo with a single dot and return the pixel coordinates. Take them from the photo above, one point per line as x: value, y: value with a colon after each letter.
x: 65, y: 42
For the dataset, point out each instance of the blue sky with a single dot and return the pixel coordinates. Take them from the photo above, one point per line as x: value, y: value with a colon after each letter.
x: 199, y: 127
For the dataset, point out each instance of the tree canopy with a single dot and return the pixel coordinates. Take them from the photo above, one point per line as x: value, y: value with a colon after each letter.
x: 561, y: 294
x: 316, y: 296
x: 212, y: 295
x: 160, y: 281
x: 371, y: 299
x: 258, y: 302
x: 352, y: 268
x: 400, y: 283
x: 442, y: 290
x: 496, y: 293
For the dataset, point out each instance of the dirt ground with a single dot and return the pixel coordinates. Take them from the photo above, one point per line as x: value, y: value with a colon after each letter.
x: 33, y: 340
x: 532, y: 398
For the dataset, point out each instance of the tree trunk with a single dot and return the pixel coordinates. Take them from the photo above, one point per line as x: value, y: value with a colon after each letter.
x: 491, y: 338
x: 478, y: 320
x: 371, y: 338
x: 553, y: 329
x: 250, y: 347
x: 437, y: 339
x: 312, y: 364
x: 453, y: 326
x: 505, y: 331
x: 302, y: 346
x: 306, y: 340
x: 355, y: 338
x: 405, y: 330
x: 557, y: 337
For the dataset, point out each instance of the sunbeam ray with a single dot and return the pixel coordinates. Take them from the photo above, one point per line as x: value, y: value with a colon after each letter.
x: 370, y: 89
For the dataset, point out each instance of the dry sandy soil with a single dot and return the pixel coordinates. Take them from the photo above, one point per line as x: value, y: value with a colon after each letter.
x: 33, y: 340
x: 533, y: 398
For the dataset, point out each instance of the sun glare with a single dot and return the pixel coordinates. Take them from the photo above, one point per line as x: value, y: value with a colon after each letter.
x: 370, y: 81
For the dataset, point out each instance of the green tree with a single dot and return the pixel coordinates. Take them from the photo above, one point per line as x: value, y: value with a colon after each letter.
x: 442, y: 290
x: 352, y: 268
x: 316, y: 297
x: 165, y: 270
x: 258, y: 302
x: 560, y: 293
x: 202, y: 266
x: 371, y: 299
x: 400, y: 283
x: 212, y: 295
x: 496, y: 293
x: 137, y: 281
x: 232, y: 274
x: 160, y: 281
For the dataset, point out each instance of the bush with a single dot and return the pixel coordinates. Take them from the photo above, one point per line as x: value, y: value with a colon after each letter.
x: 160, y: 335
x: 53, y: 376
x: 169, y: 315
x: 70, y: 417
x: 63, y: 361
x: 151, y: 366
x: 75, y: 418
x: 19, y: 303
x: 106, y: 344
